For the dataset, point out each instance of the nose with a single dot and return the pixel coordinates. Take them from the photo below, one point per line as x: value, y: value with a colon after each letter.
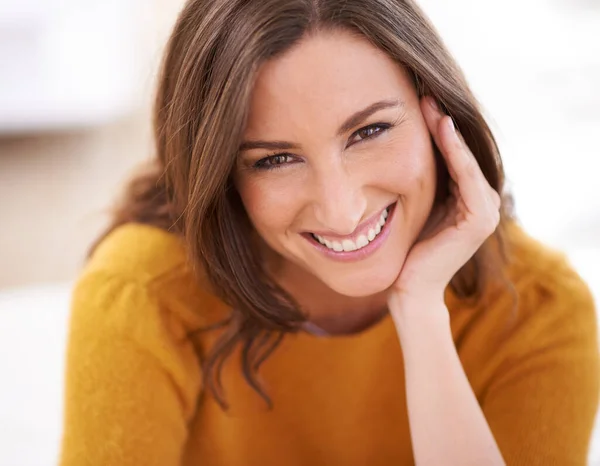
x: 339, y: 203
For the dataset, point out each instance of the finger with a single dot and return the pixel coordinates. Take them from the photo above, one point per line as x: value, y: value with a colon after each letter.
x: 436, y: 217
x: 453, y: 188
x: 468, y: 184
x: 472, y: 185
x: 433, y: 116
x: 490, y: 195
x: 438, y: 124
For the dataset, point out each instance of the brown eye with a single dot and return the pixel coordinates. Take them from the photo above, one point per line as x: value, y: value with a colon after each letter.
x: 369, y: 132
x: 273, y: 161
x: 279, y: 159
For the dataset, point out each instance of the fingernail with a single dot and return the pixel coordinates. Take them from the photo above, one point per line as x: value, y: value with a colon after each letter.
x: 450, y: 124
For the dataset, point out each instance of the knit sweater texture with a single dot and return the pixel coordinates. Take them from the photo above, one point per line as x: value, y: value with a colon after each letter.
x: 135, y: 396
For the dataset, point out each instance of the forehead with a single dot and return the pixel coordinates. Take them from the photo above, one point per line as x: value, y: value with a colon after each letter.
x: 325, y: 77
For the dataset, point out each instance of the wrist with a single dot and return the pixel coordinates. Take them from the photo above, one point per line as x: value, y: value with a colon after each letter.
x: 412, y: 314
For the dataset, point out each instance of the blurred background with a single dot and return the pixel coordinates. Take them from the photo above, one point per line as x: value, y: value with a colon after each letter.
x: 76, y: 85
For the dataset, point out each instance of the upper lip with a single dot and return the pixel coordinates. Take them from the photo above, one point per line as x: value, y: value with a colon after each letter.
x: 361, y: 229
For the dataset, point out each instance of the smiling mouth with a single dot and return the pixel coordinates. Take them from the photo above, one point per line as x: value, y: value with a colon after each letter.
x: 361, y: 241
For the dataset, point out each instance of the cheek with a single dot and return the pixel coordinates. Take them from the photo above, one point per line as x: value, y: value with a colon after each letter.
x: 268, y: 204
x: 419, y: 173
x: 407, y: 166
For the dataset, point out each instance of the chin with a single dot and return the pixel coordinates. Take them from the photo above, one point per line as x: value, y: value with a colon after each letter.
x: 362, y: 283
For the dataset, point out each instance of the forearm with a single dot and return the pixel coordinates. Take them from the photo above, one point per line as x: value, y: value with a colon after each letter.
x: 446, y: 423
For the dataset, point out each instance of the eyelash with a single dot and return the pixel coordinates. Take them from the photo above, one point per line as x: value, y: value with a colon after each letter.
x: 264, y: 163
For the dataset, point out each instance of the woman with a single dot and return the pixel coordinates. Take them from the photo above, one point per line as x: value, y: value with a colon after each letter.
x: 319, y: 268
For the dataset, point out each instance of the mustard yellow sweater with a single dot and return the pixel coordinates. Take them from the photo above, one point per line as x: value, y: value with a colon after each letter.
x: 134, y: 392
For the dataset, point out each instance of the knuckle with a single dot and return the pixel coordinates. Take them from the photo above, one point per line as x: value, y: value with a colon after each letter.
x: 495, y: 196
x: 493, y: 221
x: 496, y: 220
x: 496, y: 199
x: 487, y: 225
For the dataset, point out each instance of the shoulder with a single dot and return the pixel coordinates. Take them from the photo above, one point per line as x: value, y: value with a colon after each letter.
x: 139, y: 277
x: 545, y: 303
x: 533, y: 360
x: 142, y: 252
x: 546, y: 284
x: 133, y: 312
x: 542, y: 319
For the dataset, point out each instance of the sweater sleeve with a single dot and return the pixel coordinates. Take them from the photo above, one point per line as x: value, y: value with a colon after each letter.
x: 542, y: 404
x: 132, y: 377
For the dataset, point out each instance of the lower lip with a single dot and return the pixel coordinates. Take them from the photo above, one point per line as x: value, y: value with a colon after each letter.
x: 363, y: 253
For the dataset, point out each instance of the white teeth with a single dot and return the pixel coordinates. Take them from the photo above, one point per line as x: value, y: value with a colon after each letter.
x: 348, y: 245
x: 361, y: 242
x: 371, y: 235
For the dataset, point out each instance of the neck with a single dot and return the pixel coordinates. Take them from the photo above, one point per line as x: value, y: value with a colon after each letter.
x: 328, y: 312
x: 346, y: 324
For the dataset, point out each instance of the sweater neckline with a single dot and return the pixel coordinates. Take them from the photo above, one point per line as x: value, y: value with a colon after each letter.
x: 312, y: 333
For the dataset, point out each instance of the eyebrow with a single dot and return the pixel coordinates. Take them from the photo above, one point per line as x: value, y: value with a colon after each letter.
x: 354, y: 120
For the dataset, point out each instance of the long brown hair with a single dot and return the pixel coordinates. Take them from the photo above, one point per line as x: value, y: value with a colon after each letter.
x: 200, y: 114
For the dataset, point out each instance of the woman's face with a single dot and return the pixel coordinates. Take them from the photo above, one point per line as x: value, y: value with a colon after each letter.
x: 336, y: 169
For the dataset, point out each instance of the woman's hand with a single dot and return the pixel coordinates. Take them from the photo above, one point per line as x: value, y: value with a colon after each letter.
x: 455, y: 230
x: 447, y: 425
